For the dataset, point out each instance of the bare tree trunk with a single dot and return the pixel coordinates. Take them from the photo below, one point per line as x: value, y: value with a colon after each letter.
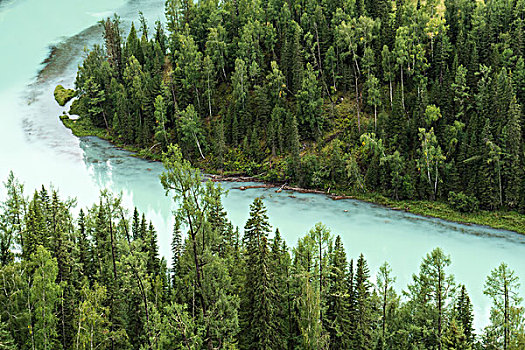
x: 198, y: 145
x: 436, y: 182
x: 391, y: 99
x: 105, y: 120
x: 357, y: 104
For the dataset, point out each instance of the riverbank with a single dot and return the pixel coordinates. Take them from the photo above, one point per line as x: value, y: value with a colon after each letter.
x: 82, y: 127
x: 504, y: 220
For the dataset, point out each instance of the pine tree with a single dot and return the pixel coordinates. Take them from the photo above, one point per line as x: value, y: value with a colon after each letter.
x: 6, y: 340
x: 294, y: 147
x: 265, y: 325
x: 454, y: 337
x: 44, y: 297
x: 309, y: 103
x: 177, y: 250
x: 161, y: 134
x: 135, y: 225
x: 512, y: 166
x: 256, y: 232
x: 281, y: 265
x: 337, y: 316
x: 464, y: 315
x: 133, y: 46
x: 113, y: 43
x: 12, y: 212
x: 36, y: 233
x: 153, y: 263
x: 362, y: 334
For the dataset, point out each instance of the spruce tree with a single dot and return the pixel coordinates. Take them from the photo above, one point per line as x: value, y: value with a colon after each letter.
x: 257, y: 279
x: 337, y: 315
x: 464, y: 315
x: 362, y: 334
x: 153, y: 264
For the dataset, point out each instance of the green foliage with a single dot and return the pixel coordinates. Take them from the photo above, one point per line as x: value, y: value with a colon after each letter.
x: 506, y: 314
x: 462, y: 202
x: 96, y: 281
x: 63, y: 95
x: 246, y: 86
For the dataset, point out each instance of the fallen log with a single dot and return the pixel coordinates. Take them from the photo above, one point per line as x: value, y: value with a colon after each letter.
x: 220, y: 178
x: 302, y: 190
x: 280, y: 189
x: 242, y: 188
x: 338, y: 198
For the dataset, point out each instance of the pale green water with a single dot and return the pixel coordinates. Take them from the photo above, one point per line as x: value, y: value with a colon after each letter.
x: 35, y: 145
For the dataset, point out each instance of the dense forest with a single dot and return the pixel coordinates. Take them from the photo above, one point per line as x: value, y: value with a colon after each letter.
x: 409, y: 99
x: 93, y: 279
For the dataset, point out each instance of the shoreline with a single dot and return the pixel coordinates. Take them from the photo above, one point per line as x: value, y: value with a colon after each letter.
x: 498, y: 220
x: 386, y: 203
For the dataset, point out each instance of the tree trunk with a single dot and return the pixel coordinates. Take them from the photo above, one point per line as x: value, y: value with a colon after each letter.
x: 113, y: 249
x: 440, y: 308
x: 391, y: 99
x: 357, y: 104
x: 506, y: 318
x: 198, y: 273
x: 384, y: 308
x: 198, y: 145
x: 105, y: 120
x: 209, y: 96
x: 436, y: 182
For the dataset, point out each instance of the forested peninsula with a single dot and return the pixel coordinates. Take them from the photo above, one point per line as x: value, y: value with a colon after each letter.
x: 95, y: 281
x: 411, y: 101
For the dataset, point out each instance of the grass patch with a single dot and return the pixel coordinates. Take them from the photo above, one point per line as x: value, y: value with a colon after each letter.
x: 505, y: 220
x: 82, y: 127
x: 63, y: 95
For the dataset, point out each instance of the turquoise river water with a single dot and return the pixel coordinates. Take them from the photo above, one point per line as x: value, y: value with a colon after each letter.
x: 35, y: 145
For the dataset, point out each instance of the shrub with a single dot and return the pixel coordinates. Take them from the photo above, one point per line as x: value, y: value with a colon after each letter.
x: 462, y: 202
x: 63, y: 95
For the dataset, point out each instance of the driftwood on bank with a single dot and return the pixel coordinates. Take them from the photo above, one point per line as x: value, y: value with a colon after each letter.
x: 242, y: 188
x: 280, y: 187
x: 219, y: 178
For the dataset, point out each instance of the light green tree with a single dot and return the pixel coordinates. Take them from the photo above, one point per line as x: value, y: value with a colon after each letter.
x: 431, y: 159
x: 191, y: 129
x: 506, y: 314
x: 43, y: 298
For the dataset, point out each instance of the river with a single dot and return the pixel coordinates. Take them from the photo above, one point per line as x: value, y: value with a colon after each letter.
x: 39, y: 150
